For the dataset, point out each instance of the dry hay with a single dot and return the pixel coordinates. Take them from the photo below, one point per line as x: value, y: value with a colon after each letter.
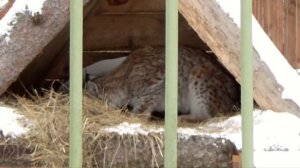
x: 47, y: 142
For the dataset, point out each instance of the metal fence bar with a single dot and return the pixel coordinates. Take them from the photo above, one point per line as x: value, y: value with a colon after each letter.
x: 171, y: 85
x: 247, y: 83
x: 76, y: 23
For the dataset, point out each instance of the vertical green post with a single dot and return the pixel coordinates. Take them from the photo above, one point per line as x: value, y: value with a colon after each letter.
x: 247, y: 83
x: 171, y: 85
x: 76, y: 22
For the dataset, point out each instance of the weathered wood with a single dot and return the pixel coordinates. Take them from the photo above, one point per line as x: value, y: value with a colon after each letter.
x: 30, y: 40
x: 279, y: 20
x: 219, y: 32
x: 132, y: 30
x: 107, y: 6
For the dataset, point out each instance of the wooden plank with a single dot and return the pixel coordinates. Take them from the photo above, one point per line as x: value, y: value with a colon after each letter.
x: 107, y: 6
x: 260, y: 10
x: 264, y: 14
x: 291, y: 31
x: 255, y: 8
x: 272, y: 23
x: 223, y: 36
x: 28, y: 40
x: 297, y: 65
x: 127, y: 31
x: 280, y: 25
x: 31, y: 50
x: 236, y: 161
x: 269, y: 17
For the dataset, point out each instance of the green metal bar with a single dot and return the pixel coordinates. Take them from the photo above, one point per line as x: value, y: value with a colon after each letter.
x: 76, y: 23
x: 247, y: 83
x: 171, y: 85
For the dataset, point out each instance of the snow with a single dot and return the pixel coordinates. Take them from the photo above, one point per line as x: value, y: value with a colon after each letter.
x: 276, y: 159
x: 269, y: 53
x: 18, y: 7
x: 9, y: 122
x: 276, y: 136
x: 3, y: 3
x: 272, y: 130
x: 298, y: 71
x: 132, y: 129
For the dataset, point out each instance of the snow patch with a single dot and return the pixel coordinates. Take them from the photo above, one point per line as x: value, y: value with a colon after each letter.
x: 9, y: 122
x: 132, y: 129
x: 298, y: 71
x: 3, y: 3
x: 268, y: 53
x: 18, y: 7
x: 233, y: 9
x: 273, y: 131
x: 276, y: 136
x: 136, y: 128
x: 186, y: 133
x: 277, y: 159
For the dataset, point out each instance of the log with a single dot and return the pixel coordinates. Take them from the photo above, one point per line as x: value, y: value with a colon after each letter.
x: 132, y: 150
x: 32, y: 38
x: 147, y: 151
x: 222, y: 35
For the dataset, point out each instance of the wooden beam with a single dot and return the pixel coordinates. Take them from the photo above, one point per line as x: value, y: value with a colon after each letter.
x: 219, y: 32
x: 32, y: 39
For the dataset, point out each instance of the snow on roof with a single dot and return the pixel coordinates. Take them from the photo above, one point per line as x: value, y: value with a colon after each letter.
x: 3, y: 3
x: 19, y: 6
x: 9, y: 122
x: 268, y: 52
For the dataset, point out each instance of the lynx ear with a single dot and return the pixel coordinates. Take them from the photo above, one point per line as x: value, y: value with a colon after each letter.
x: 92, y: 88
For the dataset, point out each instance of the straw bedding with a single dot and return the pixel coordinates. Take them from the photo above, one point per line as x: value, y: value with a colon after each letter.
x: 46, y: 144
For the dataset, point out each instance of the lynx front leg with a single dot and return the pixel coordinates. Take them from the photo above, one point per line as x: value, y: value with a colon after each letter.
x: 144, y: 104
x: 202, y: 93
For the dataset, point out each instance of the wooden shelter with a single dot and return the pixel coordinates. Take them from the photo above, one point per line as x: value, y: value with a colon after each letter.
x: 38, y: 48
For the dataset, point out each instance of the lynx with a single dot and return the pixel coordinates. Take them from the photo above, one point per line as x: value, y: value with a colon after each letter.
x: 205, y: 87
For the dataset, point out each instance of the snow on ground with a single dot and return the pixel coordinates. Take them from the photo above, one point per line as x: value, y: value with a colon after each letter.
x: 19, y: 7
x: 268, y: 52
x: 9, y: 123
x: 3, y: 3
x: 276, y: 136
x: 132, y: 129
x: 272, y: 130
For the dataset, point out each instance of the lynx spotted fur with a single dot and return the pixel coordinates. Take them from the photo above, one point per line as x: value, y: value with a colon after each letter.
x: 205, y: 87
